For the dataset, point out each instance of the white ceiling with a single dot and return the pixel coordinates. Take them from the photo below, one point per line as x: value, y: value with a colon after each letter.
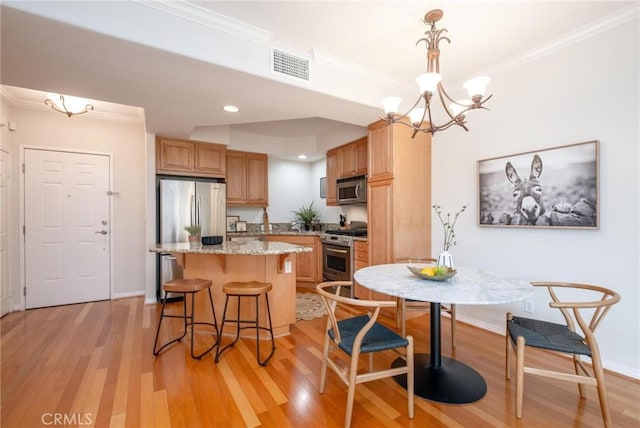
x: 181, y: 61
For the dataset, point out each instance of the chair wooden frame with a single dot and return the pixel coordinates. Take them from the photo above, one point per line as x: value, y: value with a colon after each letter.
x: 404, y: 305
x: 349, y: 375
x: 572, y: 314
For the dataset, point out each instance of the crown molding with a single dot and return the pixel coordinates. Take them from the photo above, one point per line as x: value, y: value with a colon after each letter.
x: 607, y: 23
x: 209, y: 18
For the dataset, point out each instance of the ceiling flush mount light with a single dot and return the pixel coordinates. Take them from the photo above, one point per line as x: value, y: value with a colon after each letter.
x: 230, y: 109
x: 70, y: 106
x: 420, y: 119
x: 302, y: 157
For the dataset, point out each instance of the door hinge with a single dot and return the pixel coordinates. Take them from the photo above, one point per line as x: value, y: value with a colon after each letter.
x: 23, y: 168
x: 24, y: 291
x: 24, y: 229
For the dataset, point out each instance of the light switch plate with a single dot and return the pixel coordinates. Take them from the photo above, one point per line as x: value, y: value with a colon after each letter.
x: 287, y: 266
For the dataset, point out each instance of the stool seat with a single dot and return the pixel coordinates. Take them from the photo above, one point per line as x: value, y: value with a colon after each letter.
x: 186, y: 285
x: 250, y: 288
x: 239, y: 290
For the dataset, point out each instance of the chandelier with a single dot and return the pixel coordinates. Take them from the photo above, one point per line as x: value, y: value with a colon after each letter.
x: 420, y: 118
x: 72, y: 106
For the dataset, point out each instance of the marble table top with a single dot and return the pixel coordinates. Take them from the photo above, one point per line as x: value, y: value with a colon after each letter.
x: 470, y: 285
x: 253, y: 248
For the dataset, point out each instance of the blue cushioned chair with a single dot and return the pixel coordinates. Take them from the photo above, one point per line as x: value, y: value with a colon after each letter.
x: 360, y: 334
x: 564, y: 338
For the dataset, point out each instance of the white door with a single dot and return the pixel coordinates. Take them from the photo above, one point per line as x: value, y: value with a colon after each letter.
x: 67, y: 238
x: 5, y: 255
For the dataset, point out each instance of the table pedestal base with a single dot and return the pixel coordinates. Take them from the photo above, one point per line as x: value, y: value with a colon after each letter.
x: 452, y: 383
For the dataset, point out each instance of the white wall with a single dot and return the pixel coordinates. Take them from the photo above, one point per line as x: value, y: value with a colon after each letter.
x: 588, y: 91
x: 125, y: 141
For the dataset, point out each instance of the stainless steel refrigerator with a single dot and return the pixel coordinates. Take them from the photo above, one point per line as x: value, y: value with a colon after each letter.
x: 182, y: 202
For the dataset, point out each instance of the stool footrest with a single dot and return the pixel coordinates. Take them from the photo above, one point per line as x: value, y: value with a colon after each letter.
x: 185, y: 287
x: 241, y: 290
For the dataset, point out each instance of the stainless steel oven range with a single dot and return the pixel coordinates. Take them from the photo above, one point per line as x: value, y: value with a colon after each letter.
x: 337, y: 254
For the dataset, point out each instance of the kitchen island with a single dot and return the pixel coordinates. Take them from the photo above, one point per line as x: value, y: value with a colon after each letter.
x: 264, y: 261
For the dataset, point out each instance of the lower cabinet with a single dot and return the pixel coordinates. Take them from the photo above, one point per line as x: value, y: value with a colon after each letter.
x: 308, y: 265
x: 360, y: 260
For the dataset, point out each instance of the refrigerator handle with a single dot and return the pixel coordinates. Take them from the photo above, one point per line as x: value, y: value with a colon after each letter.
x: 198, y: 209
x: 192, y: 209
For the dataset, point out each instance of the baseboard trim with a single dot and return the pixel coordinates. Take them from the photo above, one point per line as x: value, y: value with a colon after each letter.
x: 126, y: 295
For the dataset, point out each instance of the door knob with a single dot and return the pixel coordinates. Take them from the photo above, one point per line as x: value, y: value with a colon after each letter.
x: 102, y: 232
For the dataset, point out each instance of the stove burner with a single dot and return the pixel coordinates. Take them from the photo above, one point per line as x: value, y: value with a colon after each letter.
x: 348, y: 232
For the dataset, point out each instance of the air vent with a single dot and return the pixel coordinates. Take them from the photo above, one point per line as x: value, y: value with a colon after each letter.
x: 291, y: 65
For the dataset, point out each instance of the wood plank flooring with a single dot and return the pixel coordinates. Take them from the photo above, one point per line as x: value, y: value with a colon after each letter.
x: 92, y: 365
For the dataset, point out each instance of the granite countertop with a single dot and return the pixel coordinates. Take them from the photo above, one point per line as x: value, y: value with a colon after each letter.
x: 254, y: 248
x: 287, y: 233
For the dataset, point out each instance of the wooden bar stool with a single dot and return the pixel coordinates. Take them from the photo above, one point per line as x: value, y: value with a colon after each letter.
x: 247, y: 289
x: 184, y: 287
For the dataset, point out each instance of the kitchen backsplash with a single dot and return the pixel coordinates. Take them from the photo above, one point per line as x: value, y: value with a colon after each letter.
x: 288, y: 227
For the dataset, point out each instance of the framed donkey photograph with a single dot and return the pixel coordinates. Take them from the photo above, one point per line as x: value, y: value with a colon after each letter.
x: 556, y: 187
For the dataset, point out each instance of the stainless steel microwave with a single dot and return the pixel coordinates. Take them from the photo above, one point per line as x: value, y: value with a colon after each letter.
x: 352, y: 190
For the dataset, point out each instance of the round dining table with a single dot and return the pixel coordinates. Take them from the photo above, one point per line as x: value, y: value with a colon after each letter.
x: 438, y: 378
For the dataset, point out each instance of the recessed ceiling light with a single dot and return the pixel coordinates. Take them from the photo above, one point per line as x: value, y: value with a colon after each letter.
x: 231, y: 109
x: 302, y: 156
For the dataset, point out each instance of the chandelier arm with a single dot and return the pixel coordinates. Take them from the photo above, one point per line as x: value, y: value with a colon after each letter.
x: 443, y: 94
x: 420, y: 98
x: 415, y: 128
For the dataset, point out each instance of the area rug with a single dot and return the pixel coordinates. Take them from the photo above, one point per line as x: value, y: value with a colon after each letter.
x: 309, y: 306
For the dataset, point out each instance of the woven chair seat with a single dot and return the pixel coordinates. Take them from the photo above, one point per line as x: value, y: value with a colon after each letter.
x: 379, y: 338
x: 548, y: 335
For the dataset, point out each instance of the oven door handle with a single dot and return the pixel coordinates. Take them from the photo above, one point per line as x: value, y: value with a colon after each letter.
x: 331, y: 250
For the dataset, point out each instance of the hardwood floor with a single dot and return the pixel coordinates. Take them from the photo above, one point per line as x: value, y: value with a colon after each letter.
x: 92, y: 364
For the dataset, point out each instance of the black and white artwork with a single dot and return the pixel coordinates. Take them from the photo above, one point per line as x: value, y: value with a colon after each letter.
x: 555, y: 187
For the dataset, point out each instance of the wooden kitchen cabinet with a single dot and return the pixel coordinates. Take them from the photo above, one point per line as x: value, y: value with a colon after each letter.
x: 333, y: 172
x: 247, y: 179
x: 190, y: 158
x: 361, y: 148
x: 353, y: 158
x: 399, y: 193
x: 360, y: 260
x: 345, y: 161
x: 308, y: 265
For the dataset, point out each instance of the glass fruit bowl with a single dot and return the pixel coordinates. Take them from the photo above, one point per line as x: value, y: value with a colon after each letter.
x: 417, y: 271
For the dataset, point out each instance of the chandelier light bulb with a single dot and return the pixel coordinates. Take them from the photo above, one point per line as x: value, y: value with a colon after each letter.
x: 391, y: 105
x: 428, y: 82
x: 477, y: 86
x: 459, y: 106
x: 415, y: 115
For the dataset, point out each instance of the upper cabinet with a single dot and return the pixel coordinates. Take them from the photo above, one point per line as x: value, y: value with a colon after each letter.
x: 333, y: 172
x: 190, y: 158
x: 247, y: 179
x: 353, y: 158
x: 345, y: 161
